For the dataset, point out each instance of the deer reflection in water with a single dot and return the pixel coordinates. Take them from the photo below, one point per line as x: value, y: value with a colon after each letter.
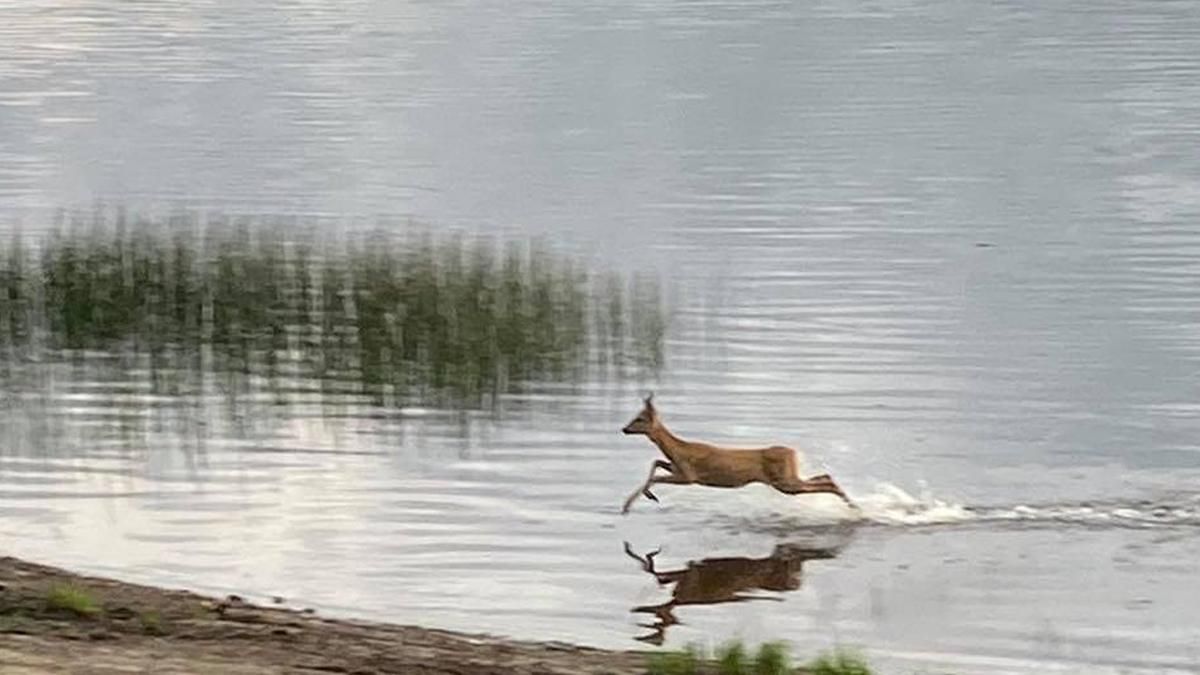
x: 713, y: 581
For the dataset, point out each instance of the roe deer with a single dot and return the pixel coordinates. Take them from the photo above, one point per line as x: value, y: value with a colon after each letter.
x: 718, y: 580
x: 691, y: 463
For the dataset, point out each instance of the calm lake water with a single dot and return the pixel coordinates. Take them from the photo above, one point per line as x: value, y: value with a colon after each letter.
x: 950, y: 250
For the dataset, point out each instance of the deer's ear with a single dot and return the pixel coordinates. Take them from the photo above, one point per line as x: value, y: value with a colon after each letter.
x: 649, y: 400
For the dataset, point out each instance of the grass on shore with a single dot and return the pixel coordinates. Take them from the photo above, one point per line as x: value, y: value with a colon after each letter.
x: 839, y: 663
x: 735, y: 659
x: 72, y: 599
x: 151, y: 622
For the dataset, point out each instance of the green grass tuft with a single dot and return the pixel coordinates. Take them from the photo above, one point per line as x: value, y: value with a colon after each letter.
x: 72, y: 599
x: 683, y: 662
x: 732, y: 659
x: 151, y: 622
x: 772, y: 659
x: 840, y: 663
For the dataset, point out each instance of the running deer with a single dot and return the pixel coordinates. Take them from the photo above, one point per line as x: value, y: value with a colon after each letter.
x: 691, y: 463
x: 714, y: 581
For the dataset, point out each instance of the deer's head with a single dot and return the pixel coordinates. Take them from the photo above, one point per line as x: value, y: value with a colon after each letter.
x: 646, y: 420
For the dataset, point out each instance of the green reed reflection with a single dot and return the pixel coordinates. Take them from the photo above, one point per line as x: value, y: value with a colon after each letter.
x: 402, y: 317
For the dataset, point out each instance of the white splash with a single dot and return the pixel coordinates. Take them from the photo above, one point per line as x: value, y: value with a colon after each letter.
x: 891, y: 505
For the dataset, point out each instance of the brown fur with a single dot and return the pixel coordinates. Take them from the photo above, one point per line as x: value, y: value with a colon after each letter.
x: 692, y: 463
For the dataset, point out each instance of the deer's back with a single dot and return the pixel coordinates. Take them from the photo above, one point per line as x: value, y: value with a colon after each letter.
x: 727, y: 467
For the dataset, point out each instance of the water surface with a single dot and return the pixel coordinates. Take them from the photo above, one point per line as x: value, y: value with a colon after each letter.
x: 949, y: 250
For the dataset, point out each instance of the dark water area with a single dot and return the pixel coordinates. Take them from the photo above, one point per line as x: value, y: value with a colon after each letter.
x: 390, y: 279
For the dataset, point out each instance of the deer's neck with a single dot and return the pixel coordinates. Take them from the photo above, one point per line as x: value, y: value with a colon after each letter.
x: 669, y: 443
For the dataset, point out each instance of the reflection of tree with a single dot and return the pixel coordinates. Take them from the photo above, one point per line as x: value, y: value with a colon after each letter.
x: 714, y: 581
x: 181, y: 328
x: 412, y: 319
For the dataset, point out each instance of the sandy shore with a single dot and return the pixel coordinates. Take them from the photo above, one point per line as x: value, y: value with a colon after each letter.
x: 53, y: 621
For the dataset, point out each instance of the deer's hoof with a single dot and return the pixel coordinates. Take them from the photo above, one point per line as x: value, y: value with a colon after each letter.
x: 649, y: 495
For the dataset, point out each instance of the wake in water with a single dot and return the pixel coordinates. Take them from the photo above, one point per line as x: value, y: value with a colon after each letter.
x: 1182, y: 512
x: 760, y: 508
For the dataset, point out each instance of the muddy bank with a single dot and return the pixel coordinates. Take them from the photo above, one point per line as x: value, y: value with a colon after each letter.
x: 53, y: 621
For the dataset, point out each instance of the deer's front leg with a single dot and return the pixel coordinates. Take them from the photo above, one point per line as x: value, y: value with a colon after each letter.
x: 658, y: 464
x: 645, y: 488
x: 673, y: 479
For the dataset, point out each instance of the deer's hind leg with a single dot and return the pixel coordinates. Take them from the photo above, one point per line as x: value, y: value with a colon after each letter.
x: 782, y: 470
x: 798, y: 486
x: 780, y: 466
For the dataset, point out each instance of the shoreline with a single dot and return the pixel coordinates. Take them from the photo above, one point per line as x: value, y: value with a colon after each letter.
x: 53, y: 621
